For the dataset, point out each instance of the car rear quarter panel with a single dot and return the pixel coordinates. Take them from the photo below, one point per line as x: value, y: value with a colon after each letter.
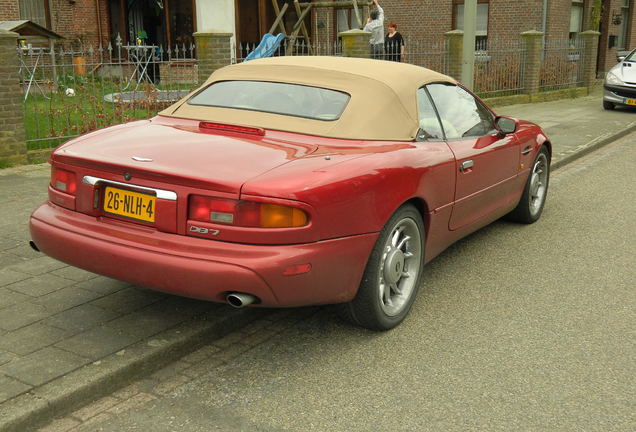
x: 356, y: 190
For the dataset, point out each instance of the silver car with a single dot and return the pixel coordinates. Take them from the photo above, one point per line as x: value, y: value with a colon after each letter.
x: 620, y: 83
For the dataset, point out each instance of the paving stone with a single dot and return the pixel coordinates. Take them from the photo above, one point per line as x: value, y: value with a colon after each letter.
x: 95, y: 408
x: 11, y: 276
x: 128, y: 300
x: 25, y: 251
x: 80, y: 318
x: 39, y: 286
x: 74, y: 273
x: 31, y: 338
x: 38, y: 266
x: 97, y: 342
x: 6, y: 357
x: 8, y: 258
x: 10, y: 298
x: 145, y: 322
x: 61, y: 425
x: 66, y: 298
x: 10, y: 387
x: 103, y: 285
x: 21, y: 314
x: 137, y: 401
x: 43, y: 365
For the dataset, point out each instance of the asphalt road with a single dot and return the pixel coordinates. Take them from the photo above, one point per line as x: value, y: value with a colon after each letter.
x: 515, y: 328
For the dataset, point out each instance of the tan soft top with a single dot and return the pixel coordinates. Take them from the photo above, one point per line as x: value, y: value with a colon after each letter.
x: 383, y: 103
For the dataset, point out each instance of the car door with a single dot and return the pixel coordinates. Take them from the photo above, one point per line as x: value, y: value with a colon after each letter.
x: 486, y: 162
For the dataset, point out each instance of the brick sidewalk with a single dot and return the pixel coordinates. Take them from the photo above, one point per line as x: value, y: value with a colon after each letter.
x: 68, y: 336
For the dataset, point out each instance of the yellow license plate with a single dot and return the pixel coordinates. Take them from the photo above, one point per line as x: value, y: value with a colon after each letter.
x: 630, y: 101
x: 130, y: 204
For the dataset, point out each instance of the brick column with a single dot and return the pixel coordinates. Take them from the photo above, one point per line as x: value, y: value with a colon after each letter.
x: 590, y: 50
x: 532, y: 43
x: 214, y: 51
x: 355, y: 43
x: 12, y: 139
x: 454, y: 53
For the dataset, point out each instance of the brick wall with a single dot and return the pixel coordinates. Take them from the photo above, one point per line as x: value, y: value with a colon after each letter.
x: 9, y: 10
x: 77, y: 22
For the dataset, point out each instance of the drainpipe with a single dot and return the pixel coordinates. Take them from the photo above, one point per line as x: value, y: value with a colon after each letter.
x: 544, y: 26
x: 99, y: 23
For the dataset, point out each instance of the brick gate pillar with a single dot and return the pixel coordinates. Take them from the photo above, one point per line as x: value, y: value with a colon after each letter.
x: 454, y: 52
x: 214, y: 51
x: 12, y: 138
x: 532, y: 43
x: 590, y: 51
x: 355, y: 43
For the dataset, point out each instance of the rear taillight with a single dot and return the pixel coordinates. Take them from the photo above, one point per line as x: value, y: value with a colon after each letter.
x: 245, y: 213
x: 63, y: 180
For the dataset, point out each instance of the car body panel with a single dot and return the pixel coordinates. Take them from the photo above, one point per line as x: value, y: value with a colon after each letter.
x: 623, y: 93
x: 347, y: 189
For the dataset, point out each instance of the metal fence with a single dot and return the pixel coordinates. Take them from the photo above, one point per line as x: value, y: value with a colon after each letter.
x: 297, y: 48
x: 499, y: 68
x: 562, y: 64
x: 72, y: 91
x: 429, y: 53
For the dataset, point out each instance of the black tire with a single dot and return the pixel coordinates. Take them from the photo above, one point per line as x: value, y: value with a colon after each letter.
x: 535, y: 192
x: 392, y: 275
x: 608, y: 105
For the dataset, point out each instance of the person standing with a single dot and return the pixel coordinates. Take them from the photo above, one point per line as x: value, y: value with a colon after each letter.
x: 394, y: 44
x: 375, y: 25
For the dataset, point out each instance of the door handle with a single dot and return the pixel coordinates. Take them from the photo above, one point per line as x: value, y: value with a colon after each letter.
x: 526, y: 150
x: 466, y: 165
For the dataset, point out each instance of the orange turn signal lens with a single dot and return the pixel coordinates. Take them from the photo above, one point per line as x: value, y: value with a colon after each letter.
x: 245, y: 213
x: 278, y: 216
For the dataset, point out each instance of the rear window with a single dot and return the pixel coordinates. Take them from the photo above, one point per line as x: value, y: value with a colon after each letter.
x: 272, y: 97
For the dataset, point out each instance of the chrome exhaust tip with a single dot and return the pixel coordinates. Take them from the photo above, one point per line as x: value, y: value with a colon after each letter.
x: 33, y: 246
x: 239, y: 300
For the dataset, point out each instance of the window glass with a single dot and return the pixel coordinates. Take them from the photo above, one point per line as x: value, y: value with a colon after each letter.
x: 481, y: 29
x: 34, y: 10
x: 430, y: 128
x: 278, y: 98
x: 461, y: 115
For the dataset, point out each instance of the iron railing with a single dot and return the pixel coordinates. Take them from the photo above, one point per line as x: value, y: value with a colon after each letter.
x: 72, y: 91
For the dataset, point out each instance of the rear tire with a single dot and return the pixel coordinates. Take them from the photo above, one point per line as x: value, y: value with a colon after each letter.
x: 535, y: 192
x: 608, y: 105
x: 392, y: 275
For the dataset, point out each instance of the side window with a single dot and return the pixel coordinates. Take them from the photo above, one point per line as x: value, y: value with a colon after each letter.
x: 430, y: 129
x: 461, y: 115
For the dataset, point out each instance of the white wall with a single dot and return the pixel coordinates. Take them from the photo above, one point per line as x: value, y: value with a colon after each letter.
x: 215, y: 16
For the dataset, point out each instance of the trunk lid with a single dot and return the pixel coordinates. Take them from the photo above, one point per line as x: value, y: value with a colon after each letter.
x: 179, y: 152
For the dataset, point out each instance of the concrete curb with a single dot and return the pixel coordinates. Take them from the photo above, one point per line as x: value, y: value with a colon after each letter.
x: 565, y: 158
x: 63, y: 395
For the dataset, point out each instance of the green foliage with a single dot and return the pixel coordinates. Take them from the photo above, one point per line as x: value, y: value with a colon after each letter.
x: 595, y: 16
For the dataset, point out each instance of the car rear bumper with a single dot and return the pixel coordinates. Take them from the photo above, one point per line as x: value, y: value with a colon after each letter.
x: 200, y: 268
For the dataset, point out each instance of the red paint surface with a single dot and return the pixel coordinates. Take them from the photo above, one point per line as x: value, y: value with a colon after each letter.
x: 348, y: 189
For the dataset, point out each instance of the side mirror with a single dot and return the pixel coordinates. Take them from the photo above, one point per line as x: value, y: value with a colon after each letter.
x: 506, y: 125
x: 621, y: 58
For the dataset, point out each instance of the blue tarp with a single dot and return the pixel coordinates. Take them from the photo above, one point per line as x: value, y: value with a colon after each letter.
x: 268, y: 46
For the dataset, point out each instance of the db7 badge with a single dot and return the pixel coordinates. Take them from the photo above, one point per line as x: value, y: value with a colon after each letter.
x: 199, y: 230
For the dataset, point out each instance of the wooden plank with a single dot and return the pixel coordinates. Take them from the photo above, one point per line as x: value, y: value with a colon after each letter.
x: 279, y: 17
x: 303, y: 28
x: 355, y: 8
x: 348, y: 3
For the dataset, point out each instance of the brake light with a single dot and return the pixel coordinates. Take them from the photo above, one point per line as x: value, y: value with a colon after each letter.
x: 245, y: 213
x: 232, y: 128
x: 63, y: 180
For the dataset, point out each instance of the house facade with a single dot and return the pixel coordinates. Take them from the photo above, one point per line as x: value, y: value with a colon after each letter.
x: 171, y: 22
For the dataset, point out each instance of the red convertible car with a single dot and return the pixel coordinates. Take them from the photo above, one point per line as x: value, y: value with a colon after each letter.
x: 294, y: 181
